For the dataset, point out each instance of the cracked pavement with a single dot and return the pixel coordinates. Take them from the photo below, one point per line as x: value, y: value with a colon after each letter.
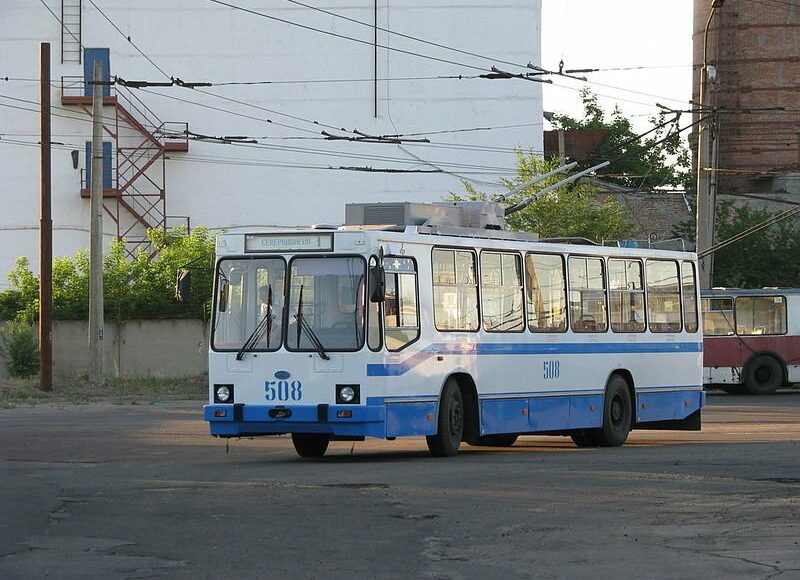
x: 124, y: 491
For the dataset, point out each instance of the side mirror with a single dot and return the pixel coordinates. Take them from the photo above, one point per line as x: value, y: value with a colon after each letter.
x: 222, y: 298
x: 183, y: 286
x: 377, y: 284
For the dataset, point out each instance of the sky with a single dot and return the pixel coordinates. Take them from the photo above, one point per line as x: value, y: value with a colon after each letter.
x: 619, y: 33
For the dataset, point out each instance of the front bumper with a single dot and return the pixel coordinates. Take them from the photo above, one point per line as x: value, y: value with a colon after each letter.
x: 239, y: 420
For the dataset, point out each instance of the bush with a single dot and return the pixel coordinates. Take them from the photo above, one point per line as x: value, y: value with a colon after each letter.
x: 138, y: 288
x: 18, y: 346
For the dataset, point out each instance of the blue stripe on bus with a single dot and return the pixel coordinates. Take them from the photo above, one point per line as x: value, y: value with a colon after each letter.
x: 397, y: 369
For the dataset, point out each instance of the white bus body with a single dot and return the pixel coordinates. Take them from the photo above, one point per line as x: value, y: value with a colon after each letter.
x: 510, y: 379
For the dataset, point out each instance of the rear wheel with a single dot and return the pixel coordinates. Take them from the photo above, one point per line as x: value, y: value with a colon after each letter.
x: 310, y: 444
x: 763, y: 375
x: 617, y: 414
x: 450, y: 424
x: 496, y: 441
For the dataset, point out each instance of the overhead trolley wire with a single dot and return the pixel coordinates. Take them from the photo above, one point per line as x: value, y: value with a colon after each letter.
x: 407, y: 36
x: 345, y: 37
x: 128, y: 38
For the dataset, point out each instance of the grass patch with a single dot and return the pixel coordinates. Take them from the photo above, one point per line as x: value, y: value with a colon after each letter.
x: 78, y: 389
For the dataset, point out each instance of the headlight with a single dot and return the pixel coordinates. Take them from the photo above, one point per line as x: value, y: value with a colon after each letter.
x: 348, y: 394
x: 223, y: 393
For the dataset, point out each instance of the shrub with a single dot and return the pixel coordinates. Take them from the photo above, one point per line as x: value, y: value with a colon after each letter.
x: 137, y: 288
x: 18, y: 346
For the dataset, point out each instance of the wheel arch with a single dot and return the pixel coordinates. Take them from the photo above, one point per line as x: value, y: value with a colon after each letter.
x: 469, y: 396
x: 627, y: 376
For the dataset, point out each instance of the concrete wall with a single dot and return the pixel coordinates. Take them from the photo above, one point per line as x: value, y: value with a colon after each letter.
x: 160, y: 348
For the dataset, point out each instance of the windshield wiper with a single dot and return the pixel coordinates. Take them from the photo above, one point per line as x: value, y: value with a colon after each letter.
x: 303, y: 325
x: 265, y: 324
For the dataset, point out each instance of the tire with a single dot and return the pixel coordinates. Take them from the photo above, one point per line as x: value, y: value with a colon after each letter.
x: 496, y: 441
x: 585, y: 439
x: 763, y: 375
x: 617, y: 414
x: 310, y: 444
x: 450, y: 425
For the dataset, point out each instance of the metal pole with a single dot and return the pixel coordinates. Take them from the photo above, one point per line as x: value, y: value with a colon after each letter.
x: 375, y: 58
x: 706, y: 204
x: 45, y: 230
x: 526, y: 202
x: 96, y: 321
x: 535, y: 180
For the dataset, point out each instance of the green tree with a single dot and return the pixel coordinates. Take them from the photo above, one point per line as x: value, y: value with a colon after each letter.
x: 142, y: 287
x: 655, y: 160
x: 770, y: 257
x: 572, y: 211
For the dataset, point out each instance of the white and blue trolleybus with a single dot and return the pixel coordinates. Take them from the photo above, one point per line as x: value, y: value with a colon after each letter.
x: 411, y: 321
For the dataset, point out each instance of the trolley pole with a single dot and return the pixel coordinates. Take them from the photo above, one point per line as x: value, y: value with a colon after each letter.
x: 45, y: 229
x: 96, y: 321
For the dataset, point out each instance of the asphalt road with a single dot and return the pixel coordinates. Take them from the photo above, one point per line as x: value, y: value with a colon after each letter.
x: 105, y: 491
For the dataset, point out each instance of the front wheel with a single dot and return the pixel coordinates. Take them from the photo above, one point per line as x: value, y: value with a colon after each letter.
x: 310, y: 444
x: 617, y: 414
x: 450, y: 427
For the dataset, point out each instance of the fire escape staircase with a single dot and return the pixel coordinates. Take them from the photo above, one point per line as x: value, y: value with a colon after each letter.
x: 135, y: 192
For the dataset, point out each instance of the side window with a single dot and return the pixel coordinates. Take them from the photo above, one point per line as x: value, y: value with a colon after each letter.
x: 717, y: 316
x: 587, y: 294
x: 663, y: 296
x: 455, y: 290
x: 626, y: 292
x: 401, y: 311
x: 689, y: 289
x: 501, y: 292
x: 547, y: 293
x: 760, y: 315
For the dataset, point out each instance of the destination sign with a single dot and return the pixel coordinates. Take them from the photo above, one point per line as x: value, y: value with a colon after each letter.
x: 288, y: 242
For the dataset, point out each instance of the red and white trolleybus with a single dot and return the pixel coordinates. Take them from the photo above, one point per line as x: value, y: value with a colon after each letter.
x: 751, y: 339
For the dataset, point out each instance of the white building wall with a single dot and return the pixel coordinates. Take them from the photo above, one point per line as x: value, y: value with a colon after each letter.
x: 274, y: 183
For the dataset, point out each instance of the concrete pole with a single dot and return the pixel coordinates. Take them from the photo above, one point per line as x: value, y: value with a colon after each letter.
x: 45, y: 230
x: 706, y: 146
x: 96, y: 321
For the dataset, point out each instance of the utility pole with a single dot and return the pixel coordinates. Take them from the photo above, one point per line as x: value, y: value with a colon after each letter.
x: 706, y: 160
x: 45, y: 229
x: 96, y: 234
